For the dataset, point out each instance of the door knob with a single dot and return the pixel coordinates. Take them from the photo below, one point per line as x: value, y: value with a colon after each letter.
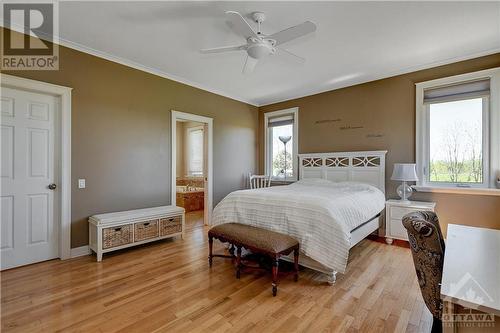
x: 52, y: 186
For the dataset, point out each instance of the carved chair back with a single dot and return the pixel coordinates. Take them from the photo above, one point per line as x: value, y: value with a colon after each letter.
x: 427, y: 248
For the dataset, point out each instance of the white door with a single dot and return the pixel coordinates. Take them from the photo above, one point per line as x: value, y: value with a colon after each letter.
x: 29, y: 227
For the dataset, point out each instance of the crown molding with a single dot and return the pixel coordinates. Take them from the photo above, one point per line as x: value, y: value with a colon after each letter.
x: 385, y: 75
x: 132, y: 64
x: 172, y: 77
x: 150, y: 70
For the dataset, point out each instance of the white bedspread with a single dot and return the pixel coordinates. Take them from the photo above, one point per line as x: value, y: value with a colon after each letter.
x: 318, y: 213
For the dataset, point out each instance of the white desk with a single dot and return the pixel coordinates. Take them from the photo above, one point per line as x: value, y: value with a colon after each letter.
x: 471, y: 273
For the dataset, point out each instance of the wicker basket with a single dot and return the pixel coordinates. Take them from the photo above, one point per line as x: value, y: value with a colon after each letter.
x: 145, y: 230
x: 116, y: 236
x: 171, y: 225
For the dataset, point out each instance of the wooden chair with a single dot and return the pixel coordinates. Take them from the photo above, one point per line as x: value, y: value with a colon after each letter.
x: 259, y: 181
x: 427, y: 248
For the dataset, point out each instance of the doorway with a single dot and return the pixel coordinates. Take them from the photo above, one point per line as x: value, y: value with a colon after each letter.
x: 35, y: 172
x: 192, y: 167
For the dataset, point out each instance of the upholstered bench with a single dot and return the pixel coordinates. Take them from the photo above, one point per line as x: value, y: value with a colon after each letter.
x: 257, y: 240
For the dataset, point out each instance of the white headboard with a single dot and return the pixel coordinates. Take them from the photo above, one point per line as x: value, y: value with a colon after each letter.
x: 362, y: 166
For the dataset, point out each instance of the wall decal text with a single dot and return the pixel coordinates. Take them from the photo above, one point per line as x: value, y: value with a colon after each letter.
x: 327, y: 121
x: 349, y: 127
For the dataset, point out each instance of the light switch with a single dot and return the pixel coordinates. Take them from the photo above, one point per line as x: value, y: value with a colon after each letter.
x: 81, y: 183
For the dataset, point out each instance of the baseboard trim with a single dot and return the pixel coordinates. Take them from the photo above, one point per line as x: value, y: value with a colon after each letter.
x: 80, y: 251
x: 396, y: 242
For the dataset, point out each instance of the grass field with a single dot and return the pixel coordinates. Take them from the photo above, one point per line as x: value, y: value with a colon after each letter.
x: 466, y: 172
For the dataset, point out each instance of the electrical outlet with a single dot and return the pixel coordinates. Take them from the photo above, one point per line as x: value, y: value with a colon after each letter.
x: 81, y: 183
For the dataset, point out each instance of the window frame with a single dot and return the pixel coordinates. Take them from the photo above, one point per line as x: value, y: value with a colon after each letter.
x: 267, y: 143
x: 491, y: 137
x: 189, y: 130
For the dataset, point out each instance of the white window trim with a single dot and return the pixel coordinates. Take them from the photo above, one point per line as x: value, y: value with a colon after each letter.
x: 267, y: 158
x: 492, y: 132
x: 188, y: 156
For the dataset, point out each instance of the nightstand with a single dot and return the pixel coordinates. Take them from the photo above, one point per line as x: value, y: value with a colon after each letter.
x: 394, y: 212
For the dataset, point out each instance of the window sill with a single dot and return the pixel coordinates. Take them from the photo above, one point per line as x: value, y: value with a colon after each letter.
x: 455, y: 190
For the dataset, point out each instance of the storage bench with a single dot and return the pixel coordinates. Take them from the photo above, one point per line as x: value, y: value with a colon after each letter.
x: 114, y: 231
x: 257, y: 240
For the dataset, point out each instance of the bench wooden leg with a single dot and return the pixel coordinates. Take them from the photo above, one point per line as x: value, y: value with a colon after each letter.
x: 238, y: 262
x: 210, y: 246
x: 296, y: 264
x: 275, y: 276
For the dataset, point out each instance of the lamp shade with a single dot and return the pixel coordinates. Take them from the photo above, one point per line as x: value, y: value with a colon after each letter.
x: 284, y: 138
x: 405, y: 172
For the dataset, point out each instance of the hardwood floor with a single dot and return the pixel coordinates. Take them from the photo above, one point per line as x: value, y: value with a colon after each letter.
x: 194, y: 219
x: 168, y: 286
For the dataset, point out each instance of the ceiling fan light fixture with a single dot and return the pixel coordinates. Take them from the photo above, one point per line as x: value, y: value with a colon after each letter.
x: 259, y: 45
x: 259, y: 50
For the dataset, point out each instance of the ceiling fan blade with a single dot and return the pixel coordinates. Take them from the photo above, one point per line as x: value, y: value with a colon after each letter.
x: 249, y: 65
x: 291, y: 55
x: 241, y: 25
x: 294, y: 32
x: 223, y: 49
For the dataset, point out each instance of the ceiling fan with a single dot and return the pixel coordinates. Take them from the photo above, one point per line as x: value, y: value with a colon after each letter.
x: 259, y: 45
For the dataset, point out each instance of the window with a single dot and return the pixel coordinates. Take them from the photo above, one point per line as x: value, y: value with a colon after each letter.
x: 195, y: 151
x: 281, y: 128
x: 457, y: 131
x: 456, y: 138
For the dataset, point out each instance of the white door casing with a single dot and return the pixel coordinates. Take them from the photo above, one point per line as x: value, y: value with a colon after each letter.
x: 208, y: 123
x: 35, y: 151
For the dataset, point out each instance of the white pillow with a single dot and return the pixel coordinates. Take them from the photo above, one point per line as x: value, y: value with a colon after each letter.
x: 314, y: 181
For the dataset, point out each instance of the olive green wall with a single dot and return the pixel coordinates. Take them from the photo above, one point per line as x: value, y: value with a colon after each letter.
x: 121, y: 137
x: 386, y: 107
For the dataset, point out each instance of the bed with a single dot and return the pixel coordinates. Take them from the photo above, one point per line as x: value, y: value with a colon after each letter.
x: 335, y: 204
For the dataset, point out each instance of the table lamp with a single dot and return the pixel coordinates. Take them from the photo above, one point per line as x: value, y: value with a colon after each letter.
x: 405, y: 172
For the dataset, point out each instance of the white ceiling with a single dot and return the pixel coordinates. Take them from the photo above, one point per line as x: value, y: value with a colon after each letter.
x: 355, y: 41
